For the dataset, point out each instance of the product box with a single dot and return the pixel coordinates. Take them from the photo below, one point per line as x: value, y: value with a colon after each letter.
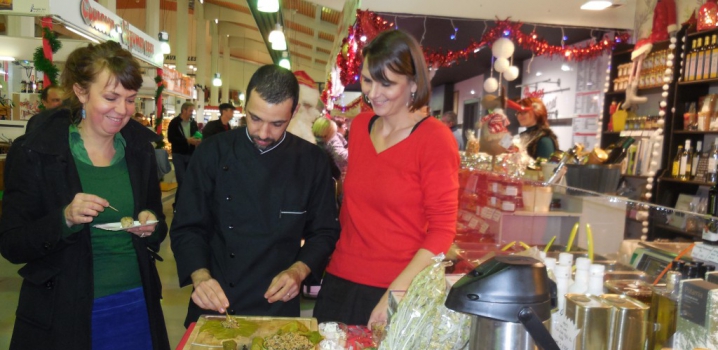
x: 697, y: 324
x: 712, y: 277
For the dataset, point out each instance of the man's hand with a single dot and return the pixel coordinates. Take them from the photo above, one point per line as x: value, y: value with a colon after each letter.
x: 194, y: 141
x: 207, y: 293
x: 286, y: 285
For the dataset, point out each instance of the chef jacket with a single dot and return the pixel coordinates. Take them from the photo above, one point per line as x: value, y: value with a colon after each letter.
x: 244, y: 213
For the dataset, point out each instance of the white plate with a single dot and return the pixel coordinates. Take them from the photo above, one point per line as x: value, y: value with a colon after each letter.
x: 116, y: 226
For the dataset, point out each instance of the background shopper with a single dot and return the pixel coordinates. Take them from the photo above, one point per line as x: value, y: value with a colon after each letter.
x: 401, y: 189
x: 226, y: 113
x: 540, y: 141
x: 84, y: 287
x: 180, y: 133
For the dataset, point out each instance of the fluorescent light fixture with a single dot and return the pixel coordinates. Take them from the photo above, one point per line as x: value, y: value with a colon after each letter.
x: 277, y: 38
x: 164, y: 38
x: 268, y: 5
x: 82, y: 34
x: 217, y: 81
x: 7, y: 58
x: 284, y: 62
x: 538, y: 74
x: 596, y: 5
x: 241, y: 96
x: 565, y: 67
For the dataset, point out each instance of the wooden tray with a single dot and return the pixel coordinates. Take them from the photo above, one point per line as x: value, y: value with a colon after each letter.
x: 267, y: 326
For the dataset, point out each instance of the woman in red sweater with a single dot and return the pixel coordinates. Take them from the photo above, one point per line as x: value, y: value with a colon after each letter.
x: 401, y: 187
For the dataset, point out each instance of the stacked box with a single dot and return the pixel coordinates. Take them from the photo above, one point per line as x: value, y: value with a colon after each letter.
x: 697, y: 325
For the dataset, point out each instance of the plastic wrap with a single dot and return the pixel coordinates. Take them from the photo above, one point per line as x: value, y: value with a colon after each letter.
x: 422, y: 321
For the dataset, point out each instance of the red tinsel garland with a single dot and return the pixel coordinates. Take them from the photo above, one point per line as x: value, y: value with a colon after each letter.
x: 368, y: 24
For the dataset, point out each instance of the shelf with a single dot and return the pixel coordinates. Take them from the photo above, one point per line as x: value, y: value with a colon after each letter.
x: 677, y: 230
x: 691, y: 132
x: 701, y: 34
x: 637, y: 176
x: 553, y: 213
x: 649, y: 90
x: 687, y: 182
x: 611, y: 132
x: 698, y: 82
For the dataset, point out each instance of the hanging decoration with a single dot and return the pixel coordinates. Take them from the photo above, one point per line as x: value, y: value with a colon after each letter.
x: 158, y: 99
x: 43, y: 55
x: 368, y: 24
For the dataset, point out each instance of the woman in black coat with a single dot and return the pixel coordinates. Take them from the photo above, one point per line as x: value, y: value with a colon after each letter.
x: 71, y: 298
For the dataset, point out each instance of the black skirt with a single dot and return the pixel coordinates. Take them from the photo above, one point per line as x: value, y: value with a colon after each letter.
x: 344, y: 301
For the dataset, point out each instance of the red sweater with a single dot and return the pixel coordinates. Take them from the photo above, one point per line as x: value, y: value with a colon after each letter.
x: 396, y: 202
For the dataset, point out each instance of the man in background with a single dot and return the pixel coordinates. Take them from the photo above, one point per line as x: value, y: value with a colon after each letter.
x: 51, y: 98
x: 180, y: 133
x: 226, y: 112
x: 449, y: 119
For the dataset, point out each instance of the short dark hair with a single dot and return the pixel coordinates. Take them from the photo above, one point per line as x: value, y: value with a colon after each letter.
x: 84, y: 65
x: 225, y: 106
x: 275, y: 85
x: 46, y: 91
x: 401, y: 54
x: 451, y: 116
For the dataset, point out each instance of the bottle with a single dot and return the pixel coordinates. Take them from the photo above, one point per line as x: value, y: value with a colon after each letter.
x: 619, y: 153
x: 695, y: 157
x: 710, y: 230
x: 712, y: 169
x: 664, y: 311
x: 700, y: 55
x: 562, y: 272
x: 707, y: 58
x: 23, y: 86
x: 684, y: 170
x: 595, y: 279
x: 714, y: 57
x: 675, y: 169
x: 690, y: 73
x: 580, y: 284
x: 550, y: 266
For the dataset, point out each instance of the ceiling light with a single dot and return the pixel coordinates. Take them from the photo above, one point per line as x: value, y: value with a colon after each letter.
x: 565, y: 67
x: 284, y: 62
x: 276, y: 37
x: 538, y: 74
x: 164, y: 38
x: 473, y: 92
x: 596, y: 5
x: 268, y: 5
x: 217, y: 81
x: 241, y: 96
x: 7, y: 58
x: 216, y: 21
x: 83, y: 35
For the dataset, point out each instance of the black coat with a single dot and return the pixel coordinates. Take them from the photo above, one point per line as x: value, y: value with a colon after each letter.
x: 55, y: 306
x: 244, y: 214
x: 212, y: 128
x: 176, y: 136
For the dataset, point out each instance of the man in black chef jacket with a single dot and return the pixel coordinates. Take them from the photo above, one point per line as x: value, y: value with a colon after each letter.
x: 250, y: 196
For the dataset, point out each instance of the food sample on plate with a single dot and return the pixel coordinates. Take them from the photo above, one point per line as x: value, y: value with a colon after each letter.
x: 258, y: 333
x: 127, y: 221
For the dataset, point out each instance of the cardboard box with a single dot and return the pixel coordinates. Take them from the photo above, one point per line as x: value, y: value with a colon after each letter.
x: 697, y: 324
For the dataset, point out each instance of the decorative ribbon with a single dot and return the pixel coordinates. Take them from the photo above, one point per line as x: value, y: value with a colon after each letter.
x: 46, y: 49
x: 159, y: 101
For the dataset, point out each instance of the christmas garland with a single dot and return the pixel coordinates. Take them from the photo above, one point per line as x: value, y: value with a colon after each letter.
x: 44, y: 64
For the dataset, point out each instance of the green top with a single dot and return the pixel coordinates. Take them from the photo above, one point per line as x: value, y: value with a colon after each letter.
x: 115, y: 267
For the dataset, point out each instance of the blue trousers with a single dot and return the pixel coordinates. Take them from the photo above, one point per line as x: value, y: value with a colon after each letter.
x: 120, y: 321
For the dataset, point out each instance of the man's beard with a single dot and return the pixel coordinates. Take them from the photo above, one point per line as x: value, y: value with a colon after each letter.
x: 271, y: 144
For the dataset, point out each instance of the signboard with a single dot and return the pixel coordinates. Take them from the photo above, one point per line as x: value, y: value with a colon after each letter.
x: 25, y: 7
x: 92, y: 19
x: 177, y: 83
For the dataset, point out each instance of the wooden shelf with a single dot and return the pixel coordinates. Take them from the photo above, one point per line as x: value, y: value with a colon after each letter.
x: 611, y: 132
x: 677, y: 230
x: 649, y: 90
x: 698, y: 82
x: 637, y: 176
x: 695, y: 132
x: 687, y: 182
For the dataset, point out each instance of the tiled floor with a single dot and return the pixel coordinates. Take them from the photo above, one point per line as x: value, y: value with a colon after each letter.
x: 174, y: 303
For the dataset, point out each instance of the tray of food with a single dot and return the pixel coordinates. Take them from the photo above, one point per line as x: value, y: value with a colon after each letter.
x: 254, y: 333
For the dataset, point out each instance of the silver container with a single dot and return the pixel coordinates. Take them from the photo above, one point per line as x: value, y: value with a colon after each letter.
x: 491, y: 334
x: 628, y: 323
x: 591, y: 316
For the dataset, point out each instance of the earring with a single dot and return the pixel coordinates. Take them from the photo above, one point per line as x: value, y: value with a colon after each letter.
x: 413, y: 96
x: 366, y: 99
x: 83, y: 114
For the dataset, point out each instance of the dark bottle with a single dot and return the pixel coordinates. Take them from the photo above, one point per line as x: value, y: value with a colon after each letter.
x: 619, y: 153
x: 713, y: 200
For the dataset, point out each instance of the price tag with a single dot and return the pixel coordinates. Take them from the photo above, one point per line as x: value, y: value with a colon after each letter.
x: 473, y: 223
x: 487, y: 212
x: 484, y: 227
x: 705, y: 252
x: 563, y: 331
x: 467, y: 215
x: 624, y: 133
x: 497, y: 216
